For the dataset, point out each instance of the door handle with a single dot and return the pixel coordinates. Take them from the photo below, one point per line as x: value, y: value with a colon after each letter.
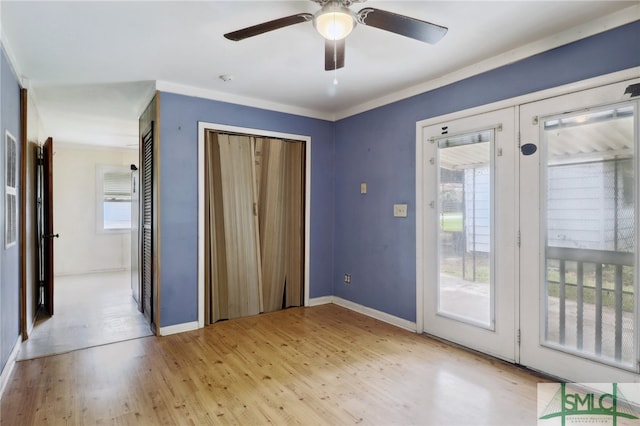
x: 528, y: 149
x: 51, y: 236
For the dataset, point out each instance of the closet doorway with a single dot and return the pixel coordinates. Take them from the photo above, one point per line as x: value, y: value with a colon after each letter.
x: 253, y: 197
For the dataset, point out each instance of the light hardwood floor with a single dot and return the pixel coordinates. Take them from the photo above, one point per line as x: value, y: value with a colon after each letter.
x: 90, y: 310
x: 319, y: 365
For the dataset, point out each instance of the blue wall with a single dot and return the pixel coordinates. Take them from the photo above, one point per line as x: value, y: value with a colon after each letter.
x: 378, y: 147
x: 9, y: 258
x: 350, y: 232
x: 179, y: 194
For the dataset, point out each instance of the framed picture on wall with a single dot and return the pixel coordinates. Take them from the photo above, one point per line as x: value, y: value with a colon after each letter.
x: 11, y: 201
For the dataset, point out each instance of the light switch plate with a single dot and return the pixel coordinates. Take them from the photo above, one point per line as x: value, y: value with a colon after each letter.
x: 399, y: 210
x: 363, y: 188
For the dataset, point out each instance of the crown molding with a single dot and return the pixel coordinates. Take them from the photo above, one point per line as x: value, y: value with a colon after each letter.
x: 622, y: 17
x: 181, y: 89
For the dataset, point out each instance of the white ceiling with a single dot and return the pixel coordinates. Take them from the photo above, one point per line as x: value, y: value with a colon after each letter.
x: 92, y: 66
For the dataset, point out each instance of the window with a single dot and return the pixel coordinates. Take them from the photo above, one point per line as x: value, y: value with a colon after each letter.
x: 113, y: 198
x: 11, y: 202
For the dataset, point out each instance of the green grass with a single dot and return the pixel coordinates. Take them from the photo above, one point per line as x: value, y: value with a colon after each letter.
x: 451, y: 222
x: 589, y: 281
x: 453, y: 267
x: 589, y: 296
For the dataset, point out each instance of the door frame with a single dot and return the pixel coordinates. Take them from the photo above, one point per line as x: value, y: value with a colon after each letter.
x: 23, y: 191
x: 202, y: 128
x: 422, y: 168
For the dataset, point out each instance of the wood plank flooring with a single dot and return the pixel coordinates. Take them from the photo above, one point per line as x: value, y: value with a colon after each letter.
x: 319, y: 365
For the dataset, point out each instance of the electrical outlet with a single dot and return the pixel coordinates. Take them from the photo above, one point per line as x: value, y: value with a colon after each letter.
x: 347, y: 278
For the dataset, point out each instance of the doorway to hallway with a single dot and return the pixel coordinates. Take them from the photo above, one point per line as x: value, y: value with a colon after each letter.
x: 91, y: 310
x: 92, y: 301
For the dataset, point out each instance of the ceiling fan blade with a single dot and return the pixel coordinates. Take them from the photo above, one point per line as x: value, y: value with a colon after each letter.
x: 269, y: 26
x: 333, y: 54
x: 403, y: 25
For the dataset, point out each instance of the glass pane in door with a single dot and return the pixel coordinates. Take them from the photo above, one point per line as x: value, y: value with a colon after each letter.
x: 589, y: 288
x: 465, y: 227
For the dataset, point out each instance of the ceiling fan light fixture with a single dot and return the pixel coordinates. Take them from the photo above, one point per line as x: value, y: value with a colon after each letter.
x: 334, y: 21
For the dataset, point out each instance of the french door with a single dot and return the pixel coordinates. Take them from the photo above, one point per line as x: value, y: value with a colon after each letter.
x: 529, y: 230
x: 578, y: 192
x: 469, y: 232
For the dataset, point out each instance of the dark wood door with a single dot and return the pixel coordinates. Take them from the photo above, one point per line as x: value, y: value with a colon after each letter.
x: 48, y: 235
x: 146, y: 219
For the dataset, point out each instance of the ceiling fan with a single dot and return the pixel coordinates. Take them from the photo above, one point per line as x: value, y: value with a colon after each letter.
x: 335, y: 21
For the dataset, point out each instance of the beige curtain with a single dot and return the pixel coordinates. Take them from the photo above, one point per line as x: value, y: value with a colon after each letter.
x: 295, y: 179
x: 281, y: 220
x: 233, y: 266
x: 272, y: 216
x: 254, y: 202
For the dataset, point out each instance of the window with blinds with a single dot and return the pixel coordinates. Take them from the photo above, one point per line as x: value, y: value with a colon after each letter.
x: 11, y: 200
x: 114, y: 197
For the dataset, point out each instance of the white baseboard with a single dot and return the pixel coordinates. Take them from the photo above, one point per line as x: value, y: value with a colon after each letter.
x: 316, y: 301
x: 31, y: 326
x: 178, y: 328
x: 8, y: 367
x: 91, y: 271
x: 324, y: 300
x: 373, y: 313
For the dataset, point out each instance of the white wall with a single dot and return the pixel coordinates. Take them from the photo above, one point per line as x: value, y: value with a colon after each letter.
x: 81, y: 248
